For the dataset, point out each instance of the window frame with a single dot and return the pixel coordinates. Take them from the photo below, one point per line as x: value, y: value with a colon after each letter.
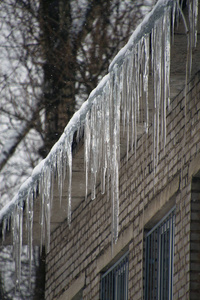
x: 113, y: 280
x: 159, y: 257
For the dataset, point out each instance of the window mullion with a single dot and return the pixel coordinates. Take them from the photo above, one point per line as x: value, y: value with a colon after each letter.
x: 116, y: 281
x: 159, y: 259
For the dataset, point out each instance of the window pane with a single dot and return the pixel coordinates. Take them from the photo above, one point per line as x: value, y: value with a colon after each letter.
x: 164, y: 265
x: 159, y: 259
x: 114, y: 282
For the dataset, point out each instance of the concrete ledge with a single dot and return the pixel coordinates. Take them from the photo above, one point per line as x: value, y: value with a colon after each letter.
x: 75, y: 287
x: 118, y: 249
x: 194, y: 167
x: 162, y: 203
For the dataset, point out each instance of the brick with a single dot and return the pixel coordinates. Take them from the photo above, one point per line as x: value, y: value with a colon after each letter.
x: 78, y: 250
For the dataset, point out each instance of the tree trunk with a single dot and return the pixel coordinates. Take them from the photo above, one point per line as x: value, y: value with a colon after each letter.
x: 59, y: 68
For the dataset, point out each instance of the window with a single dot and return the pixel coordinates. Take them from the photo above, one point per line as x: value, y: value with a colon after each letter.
x: 159, y: 259
x: 114, y: 282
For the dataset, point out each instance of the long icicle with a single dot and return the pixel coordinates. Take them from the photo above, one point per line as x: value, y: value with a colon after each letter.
x: 69, y: 160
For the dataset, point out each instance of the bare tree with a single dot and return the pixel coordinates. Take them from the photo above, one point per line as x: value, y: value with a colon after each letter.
x: 21, y: 79
x: 79, y: 38
x: 53, y: 53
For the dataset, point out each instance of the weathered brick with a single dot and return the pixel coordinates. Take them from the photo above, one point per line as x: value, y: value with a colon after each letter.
x: 77, y: 250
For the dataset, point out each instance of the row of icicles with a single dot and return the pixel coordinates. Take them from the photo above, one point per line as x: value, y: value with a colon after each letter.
x: 123, y: 99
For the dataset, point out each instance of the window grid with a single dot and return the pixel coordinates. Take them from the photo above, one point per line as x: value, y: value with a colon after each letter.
x: 114, y: 282
x: 159, y: 259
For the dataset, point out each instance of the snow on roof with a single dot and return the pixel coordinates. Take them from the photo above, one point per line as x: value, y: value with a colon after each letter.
x: 79, y: 117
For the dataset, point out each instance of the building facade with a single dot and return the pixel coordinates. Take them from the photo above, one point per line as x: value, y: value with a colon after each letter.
x: 159, y: 223
x: 157, y: 253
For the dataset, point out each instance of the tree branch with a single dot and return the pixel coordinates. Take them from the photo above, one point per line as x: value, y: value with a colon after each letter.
x: 15, y: 139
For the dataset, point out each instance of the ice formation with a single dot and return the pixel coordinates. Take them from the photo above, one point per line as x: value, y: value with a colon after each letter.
x: 119, y: 98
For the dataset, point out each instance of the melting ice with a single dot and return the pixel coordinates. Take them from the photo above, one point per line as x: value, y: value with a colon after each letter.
x: 122, y: 97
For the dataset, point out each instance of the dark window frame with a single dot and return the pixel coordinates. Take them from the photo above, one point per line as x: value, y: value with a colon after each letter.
x: 114, y: 282
x: 159, y: 259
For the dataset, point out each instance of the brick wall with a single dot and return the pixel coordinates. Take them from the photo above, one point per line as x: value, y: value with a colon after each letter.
x: 79, y: 253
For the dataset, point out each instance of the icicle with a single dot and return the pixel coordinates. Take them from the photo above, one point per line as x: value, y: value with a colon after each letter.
x: 137, y: 86
x: 20, y: 241
x: 124, y: 94
x: 48, y: 225
x: 130, y: 100
x: 69, y: 160
x: 146, y: 81
x: 115, y: 97
x: 45, y: 209
x: 59, y: 159
x: 117, y: 154
x: 166, y: 69
x: 79, y: 133
x: 13, y: 232
x: 94, y: 137
x: 130, y: 96
x: 47, y: 175
x: 87, y: 138
x: 134, y: 101
x: 29, y: 226
x: 64, y: 162
x: 127, y: 105
x: 17, y: 227
x: 8, y: 222
x: 30, y: 241
x: 94, y: 147
x: 42, y: 222
x: 192, y: 39
x: 111, y: 165
x: 103, y: 166
x: 189, y: 52
x: 153, y: 60
x: 52, y: 177
x: 161, y: 73
x: 195, y: 21
x: 44, y: 186
x: 106, y: 144
x: 5, y: 221
x: 159, y: 81
x: 103, y: 177
x: 99, y: 133
x: 102, y: 138
x: 175, y: 14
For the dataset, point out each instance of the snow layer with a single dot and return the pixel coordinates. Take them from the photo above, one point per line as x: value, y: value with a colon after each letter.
x: 117, y: 99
